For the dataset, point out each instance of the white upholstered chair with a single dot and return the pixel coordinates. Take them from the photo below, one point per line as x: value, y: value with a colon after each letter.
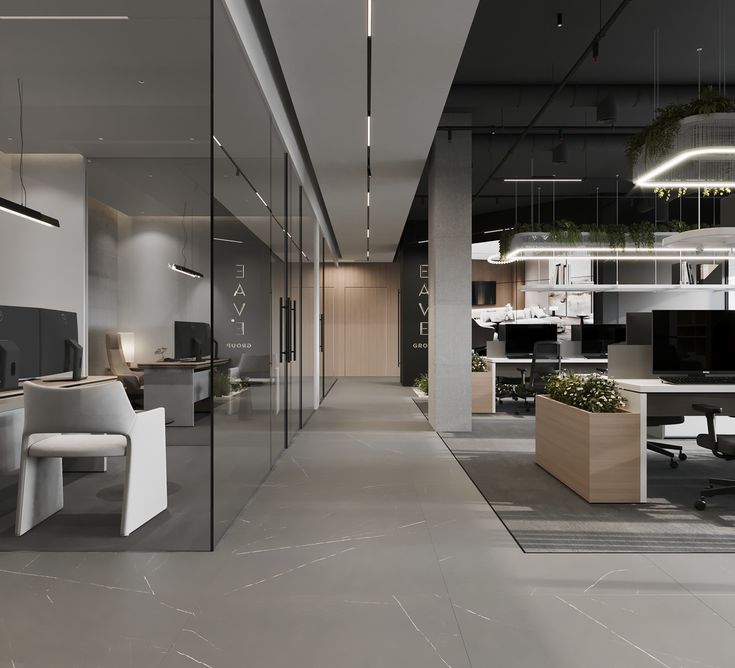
x: 89, y: 421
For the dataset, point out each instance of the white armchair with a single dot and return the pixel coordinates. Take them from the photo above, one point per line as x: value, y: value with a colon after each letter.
x: 89, y: 421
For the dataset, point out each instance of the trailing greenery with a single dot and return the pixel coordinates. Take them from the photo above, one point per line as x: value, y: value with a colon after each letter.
x: 642, y: 234
x: 566, y: 232
x: 594, y: 392
x: 422, y: 383
x: 656, y: 139
x: 478, y: 364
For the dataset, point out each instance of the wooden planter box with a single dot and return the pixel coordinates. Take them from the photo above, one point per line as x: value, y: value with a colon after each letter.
x: 597, y: 455
x: 482, y: 401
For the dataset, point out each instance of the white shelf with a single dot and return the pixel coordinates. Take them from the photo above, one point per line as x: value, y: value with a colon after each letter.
x: 624, y: 287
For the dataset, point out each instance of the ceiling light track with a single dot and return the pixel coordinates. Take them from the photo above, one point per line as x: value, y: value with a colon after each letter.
x: 591, y: 47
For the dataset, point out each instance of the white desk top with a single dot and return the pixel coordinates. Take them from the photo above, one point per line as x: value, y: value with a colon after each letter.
x: 657, y: 386
x: 564, y: 360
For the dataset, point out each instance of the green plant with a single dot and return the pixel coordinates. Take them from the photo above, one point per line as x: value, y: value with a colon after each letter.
x: 565, y: 232
x: 478, y: 364
x: 161, y: 352
x: 615, y: 236
x: 597, y: 234
x: 643, y: 234
x: 657, y: 138
x: 422, y: 383
x: 675, y: 225
x: 221, y: 383
x: 503, y: 389
x: 594, y: 393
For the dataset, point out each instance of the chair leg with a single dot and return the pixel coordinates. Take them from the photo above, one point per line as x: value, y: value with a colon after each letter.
x: 725, y: 487
x: 40, y: 491
x: 146, y: 493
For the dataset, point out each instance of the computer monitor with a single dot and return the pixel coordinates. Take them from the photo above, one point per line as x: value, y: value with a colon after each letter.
x: 638, y: 329
x: 192, y: 340
x: 519, y: 339
x: 596, y: 338
x: 693, y: 342
x: 57, y: 327
x: 21, y: 325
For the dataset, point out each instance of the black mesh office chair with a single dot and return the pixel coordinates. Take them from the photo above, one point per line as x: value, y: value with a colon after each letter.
x: 666, y: 449
x: 480, y: 336
x: 545, y: 362
x: 722, y: 446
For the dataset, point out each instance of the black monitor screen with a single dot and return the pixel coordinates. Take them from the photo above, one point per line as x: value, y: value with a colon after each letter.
x: 596, y: 338
x: 483, y: 293
x: 21, y: 325
x: 191, y: 339
x: 693, y: 342
x: 519, y: 339
x: 56, y: 328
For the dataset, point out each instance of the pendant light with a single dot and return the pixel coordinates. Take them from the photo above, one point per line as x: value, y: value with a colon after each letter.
x: 22, y: 210
x: 182, y: 268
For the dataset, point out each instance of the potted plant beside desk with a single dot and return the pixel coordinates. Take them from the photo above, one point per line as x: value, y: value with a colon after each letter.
x: 586, y: 439
x: 481, y: 385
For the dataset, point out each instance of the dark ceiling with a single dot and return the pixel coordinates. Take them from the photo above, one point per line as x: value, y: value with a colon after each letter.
x: 516, y: 55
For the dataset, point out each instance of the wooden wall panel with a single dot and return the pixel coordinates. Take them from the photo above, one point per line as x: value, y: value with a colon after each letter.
x: 339, y: 311
x: 366, y: 331
x: 508, y: 278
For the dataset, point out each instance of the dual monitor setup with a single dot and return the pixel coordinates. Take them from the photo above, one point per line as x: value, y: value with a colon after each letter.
x: 520, y: 339
x: 37, y: 342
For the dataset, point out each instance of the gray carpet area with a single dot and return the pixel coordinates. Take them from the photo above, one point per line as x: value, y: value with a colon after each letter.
x: 543, y: 515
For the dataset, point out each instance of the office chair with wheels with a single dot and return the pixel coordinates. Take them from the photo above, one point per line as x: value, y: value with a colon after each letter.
x: 722, y: 446
x: 666, y: 449
x: 546, y: 361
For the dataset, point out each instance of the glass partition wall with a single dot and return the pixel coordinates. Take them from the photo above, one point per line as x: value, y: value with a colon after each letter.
x: 184, y: 218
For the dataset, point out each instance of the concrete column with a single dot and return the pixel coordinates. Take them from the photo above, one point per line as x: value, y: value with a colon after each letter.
x: 450, y: 278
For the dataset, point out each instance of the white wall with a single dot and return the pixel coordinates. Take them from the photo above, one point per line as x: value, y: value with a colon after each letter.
x: 42, y: 266
x: 131, y: 287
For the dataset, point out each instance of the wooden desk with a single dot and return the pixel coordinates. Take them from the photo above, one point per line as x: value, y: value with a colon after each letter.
x: 651, y: 396
x: 177, y: 386
x: 495, y: 365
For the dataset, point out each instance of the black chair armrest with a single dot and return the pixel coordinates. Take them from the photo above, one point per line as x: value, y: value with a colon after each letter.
x: 707, y: 409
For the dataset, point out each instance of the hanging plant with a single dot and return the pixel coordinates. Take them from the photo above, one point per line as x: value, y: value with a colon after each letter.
x: 597, y: 234
x: 656, y: 139
x: 716, y: 192
x: 615, y: 235
x: 675, y: 225
x: 565, y: 232
x: 643, y: 234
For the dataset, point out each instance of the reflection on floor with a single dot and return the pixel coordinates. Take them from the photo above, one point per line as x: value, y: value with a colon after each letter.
x: 367, y: 548
x: 544, y: 515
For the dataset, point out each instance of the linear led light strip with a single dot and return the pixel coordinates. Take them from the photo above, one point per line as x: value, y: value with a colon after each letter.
x: 628, y: 258
x: 27, y: 213
x: 542, y: 180
x: 609, y: 249
x: 64, y: 18
x: 647, y: 180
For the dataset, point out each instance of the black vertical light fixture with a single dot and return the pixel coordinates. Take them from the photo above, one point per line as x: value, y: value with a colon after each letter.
x: 559, y: 152
x: 559, y: 20
x: 22, y: 210
x: 182, y: 268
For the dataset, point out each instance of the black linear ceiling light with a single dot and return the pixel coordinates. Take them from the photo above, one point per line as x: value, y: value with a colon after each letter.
x: 185, y: 270
x: 559, y: 20
x: 22, y: 210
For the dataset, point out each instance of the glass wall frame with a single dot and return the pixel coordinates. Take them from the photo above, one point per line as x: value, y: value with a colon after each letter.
x: 187, y: 209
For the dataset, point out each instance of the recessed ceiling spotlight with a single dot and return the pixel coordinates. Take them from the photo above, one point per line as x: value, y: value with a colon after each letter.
x: 141, y: 81
x: 100, y: 138
x: 191, y: 138
x: 10, y: 139
x: 559, y: 21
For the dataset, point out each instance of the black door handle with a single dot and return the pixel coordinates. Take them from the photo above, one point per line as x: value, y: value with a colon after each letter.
x: 281, y: 346
x: 293, y: 330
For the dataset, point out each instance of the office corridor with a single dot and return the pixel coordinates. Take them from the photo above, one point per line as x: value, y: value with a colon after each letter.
x: 367, y: 546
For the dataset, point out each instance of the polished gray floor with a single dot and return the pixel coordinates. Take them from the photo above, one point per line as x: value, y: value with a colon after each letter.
x: 367, y: 546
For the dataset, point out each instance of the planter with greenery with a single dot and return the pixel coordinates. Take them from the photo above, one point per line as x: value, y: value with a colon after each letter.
x: 655, y: 140
x: 422, y: 384
x: 482, y: 381
x: 586, y: 439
